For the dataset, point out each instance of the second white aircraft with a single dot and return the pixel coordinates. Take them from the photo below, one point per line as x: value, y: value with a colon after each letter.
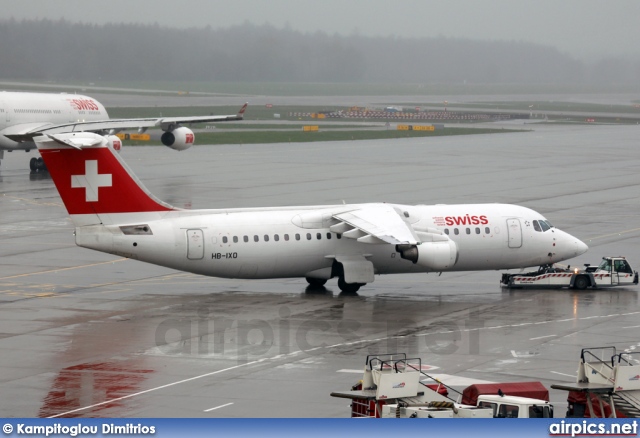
x: 26, y: 115
x: 114, y: 213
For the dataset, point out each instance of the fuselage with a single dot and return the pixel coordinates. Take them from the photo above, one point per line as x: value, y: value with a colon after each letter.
x: 114, y: 213
x: 23, y: 111
x: 298, y: 241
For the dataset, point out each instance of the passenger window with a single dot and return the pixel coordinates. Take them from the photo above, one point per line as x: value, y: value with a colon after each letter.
x: 235, y: 239
x: 329, y: 236
x: 297, y: 236
x: 319, y: 236
x: 477, y: 230
x: 276, y: 237
x: 286, y: 237
x: 487, y: 230
x: 308, y: 236
x: 468, y: 231
x: 256, y: 238
x: 455, y: 231
x: 266, y: 237
x: 536, y: 226
x: 446, y: 231
x: 245, y: 238
x: 224, y: 239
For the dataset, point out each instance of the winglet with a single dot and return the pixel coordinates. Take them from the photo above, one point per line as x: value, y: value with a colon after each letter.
x: 242, y: 110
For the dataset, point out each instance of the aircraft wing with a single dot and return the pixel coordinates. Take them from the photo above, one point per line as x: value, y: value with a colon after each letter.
x: 24, y: 128
x: 375, y: 223
x: 116, y: 125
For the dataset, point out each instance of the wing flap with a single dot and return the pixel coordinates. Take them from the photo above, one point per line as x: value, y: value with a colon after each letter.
x: 375, y: 223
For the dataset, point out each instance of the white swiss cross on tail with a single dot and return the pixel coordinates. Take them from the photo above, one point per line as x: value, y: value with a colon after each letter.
x: 91, y: 181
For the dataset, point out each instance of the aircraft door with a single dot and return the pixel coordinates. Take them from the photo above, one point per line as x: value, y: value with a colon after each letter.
x: 7, y: 111
x: 195, y: 244
x: 514, y: 230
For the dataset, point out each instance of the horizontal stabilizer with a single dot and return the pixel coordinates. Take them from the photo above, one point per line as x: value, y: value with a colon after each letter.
x: 77, y: 141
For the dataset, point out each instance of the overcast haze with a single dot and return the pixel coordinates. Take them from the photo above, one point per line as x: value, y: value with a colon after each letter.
x: 586, y: 29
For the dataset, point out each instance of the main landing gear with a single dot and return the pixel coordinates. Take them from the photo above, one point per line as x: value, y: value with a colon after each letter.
x: 316, y: 281
x: 349, y: 288
x: 37, y: 164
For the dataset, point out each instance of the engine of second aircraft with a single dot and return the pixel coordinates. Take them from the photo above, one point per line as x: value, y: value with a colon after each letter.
x: 114, y: 142
x: 437, y: 255
x: 178, y: 139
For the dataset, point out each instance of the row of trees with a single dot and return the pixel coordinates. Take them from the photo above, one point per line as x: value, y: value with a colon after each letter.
x: 60, y: 50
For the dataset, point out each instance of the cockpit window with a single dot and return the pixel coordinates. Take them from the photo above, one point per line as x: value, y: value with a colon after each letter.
x: 544, y: 226
x: 541, y: 225
x: 536, y: 226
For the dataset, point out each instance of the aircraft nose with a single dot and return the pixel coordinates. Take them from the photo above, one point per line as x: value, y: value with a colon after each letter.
x: 581, y: 247
x: 575, y: 246
x: 569, y: 246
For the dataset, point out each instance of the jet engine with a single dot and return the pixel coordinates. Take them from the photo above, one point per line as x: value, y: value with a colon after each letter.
x: 114, y: 142
x: 437, y: 256
x: 179, y: 138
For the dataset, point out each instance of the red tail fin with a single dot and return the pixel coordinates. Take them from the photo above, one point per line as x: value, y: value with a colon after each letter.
x: 91, y: 178
x: 242, y: 110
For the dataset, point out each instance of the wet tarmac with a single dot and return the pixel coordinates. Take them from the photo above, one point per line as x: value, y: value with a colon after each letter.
x: 89, y: 334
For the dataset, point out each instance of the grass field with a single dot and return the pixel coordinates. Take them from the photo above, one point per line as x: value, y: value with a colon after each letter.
x: 252, y: 137
x: 260, y: 112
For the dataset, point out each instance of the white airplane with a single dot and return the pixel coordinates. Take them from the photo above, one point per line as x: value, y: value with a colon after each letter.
x: 114, y: 213
x: 26, y: 115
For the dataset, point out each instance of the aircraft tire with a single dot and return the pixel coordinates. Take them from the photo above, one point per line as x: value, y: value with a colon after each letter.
x: 40, y: 164
x: 581, y: 282
x: 316, y: 281
x: 33, y: 164
x: 349, y: 288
